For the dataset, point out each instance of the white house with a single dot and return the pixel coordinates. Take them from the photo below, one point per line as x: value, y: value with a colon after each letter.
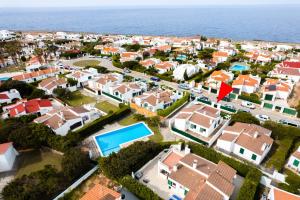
x: 278, y: 194
x: 190, y: 176
x: 294, y: 161
x: 292, y: 74
x: 220, y: 56
x: 8, y: 156
x: 246, y: 83
x: 151, y: 62
x: 125, y: 92
x: 26, y: 107
x: 6, y: 35
x: 217, y: 77
x: 200, y: 121
x: 8, y: 97
x: 248, y: 141
x: 65, y: 119
x: 37, y: 75
x: 83, y: 77
x: 276, y: 89
x: 180, y: 70
x: 129, y: 56
x: 103, y: 82
x: 49, y: 84
x: 165, y: 66
x: 156, y: 100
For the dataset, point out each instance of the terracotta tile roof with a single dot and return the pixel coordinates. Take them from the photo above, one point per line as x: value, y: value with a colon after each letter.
x: 203, y: 165
x: 164, y: 65
x: 220, y: 76
x: 52, y: 82
x: 187, y: 177
x: 222, y: 184
x: 228, y: 137
x: 277, y: 84
x: 35, y: 74
x: 220, y: 54
x: 283, y: 195
x: 289, y: 64
x: 100, y: 192
x: 287, y: 71
x: 147, y: 63
x: 205, y: 192
x: 172, y: 159
x: 4, y: 147
x: 201, y: 120
x: 245, y: 80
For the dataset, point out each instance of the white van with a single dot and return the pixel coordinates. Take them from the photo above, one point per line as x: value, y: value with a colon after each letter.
x: 248, y: 104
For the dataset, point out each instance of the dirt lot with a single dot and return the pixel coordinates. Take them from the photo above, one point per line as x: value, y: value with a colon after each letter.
x: 295, y: 97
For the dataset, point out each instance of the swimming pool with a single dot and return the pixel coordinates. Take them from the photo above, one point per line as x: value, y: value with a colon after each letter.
x: 111, y: 141
x: 239, y: 67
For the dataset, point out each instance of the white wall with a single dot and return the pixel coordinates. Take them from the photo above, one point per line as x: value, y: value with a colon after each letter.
x: 7, y: 159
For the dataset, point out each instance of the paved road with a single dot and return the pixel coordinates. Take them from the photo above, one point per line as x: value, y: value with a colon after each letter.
x: 274, y: 115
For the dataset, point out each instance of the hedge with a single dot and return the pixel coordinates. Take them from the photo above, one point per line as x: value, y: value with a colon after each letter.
x: 174, y: 106
x: 252, y: 98
x: 138, y: 189
x: 250, y: 185
x: 100, y: 122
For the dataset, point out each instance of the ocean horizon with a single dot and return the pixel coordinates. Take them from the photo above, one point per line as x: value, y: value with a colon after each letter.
x: 278, y: 23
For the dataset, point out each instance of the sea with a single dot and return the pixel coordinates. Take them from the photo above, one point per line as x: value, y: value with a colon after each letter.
x: 280, y: 23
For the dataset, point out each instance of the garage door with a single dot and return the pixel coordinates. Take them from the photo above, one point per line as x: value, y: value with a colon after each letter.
x: 269, y: 97
x: 268, y: 105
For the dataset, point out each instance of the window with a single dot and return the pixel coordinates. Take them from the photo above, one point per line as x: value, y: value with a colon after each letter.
x: 296, y: 163
x: 253, y: 157
x: 193, y: 126
x: 185, y: 192
x: 242, y: 151
x: 202, y: 129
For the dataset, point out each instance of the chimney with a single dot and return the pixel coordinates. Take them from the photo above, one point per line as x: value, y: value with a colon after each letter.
x: 263, y: 147
x: 255, y: 134
x: 175, y: 167
x: 195, y: 163
x: 187, y: 150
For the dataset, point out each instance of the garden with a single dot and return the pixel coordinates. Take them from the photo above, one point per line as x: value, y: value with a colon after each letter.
x: 84, y: 63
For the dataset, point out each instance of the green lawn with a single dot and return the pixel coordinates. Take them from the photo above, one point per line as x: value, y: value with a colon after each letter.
x: 84, y: 63
x: 105, y: 106
x: 79, y: 99
x: 35, y: 160
x: 157, y: 137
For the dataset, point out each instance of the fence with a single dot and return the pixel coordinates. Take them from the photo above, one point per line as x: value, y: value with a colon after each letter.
x: 77, y: 183
x: 112, y: 97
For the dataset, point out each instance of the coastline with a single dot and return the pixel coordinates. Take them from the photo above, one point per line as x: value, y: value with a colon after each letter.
x: 255, y: 41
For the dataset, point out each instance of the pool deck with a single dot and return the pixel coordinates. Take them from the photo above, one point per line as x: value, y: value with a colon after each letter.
x: 125, y: 144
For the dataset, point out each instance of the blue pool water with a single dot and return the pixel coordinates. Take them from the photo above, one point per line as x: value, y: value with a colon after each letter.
x: 239, y: 68
x: 111, y: 141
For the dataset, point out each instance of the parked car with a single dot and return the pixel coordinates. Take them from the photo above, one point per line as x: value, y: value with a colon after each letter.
x: 286, y: 122
x: 175, y: 197
x: 248, y: 104
x: 262, y: 117
x: 243, y: 110
x: 183, y: 86
x: 203, y: 98
x: 156, y: 79
x: 229, y: 106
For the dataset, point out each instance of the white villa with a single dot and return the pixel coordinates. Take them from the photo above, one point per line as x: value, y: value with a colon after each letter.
x: 8, y: 156
x: 200, y: 121
x: 104, y: 82
x: 192, y: 177
x: 49, y: 84
x: 8, y: 97
x: 156, y: 100
x: 180, y: 70
x: 246, y: 83
x: 217, y: 77
x: 82, y: 77
x: 65, y: 119
x: 276, y: 89
x: 294, y: 161
x: 248, y: 141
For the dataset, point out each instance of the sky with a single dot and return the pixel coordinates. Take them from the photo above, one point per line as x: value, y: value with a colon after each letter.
x: 117, y: 3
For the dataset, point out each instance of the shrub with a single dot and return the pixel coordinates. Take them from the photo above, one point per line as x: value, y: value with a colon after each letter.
x: 252, y: 98
x: 244, y: 118
x: 250, y: 185
x: 138, y: 189
x: 129, y: 159
x: 174, y: 106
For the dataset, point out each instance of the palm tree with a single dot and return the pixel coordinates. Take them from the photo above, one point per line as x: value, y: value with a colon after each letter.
x: 13, y: 49
x: 39, y: 53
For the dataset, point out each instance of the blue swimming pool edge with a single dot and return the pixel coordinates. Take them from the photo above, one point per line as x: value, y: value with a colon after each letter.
x: 239, y: 63
x: 99, y: 149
